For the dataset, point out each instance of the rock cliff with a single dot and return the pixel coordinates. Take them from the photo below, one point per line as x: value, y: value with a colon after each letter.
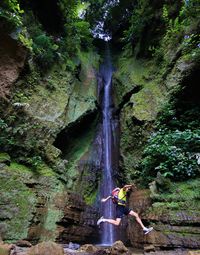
x: 39, y: 180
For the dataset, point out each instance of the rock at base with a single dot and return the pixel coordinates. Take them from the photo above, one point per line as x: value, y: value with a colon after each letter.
x: 46, y: 248
x: 5, y: 249
x: 118, y: 248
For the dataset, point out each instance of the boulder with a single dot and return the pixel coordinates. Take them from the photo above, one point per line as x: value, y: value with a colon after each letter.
x: 23, y: 243
x: 194, y: 252
x: 5, y: 249
x: 102, y: 252
x: 46, y: 248
x: 118, y: 248
x: 88, y: 248
x: 149, y: 248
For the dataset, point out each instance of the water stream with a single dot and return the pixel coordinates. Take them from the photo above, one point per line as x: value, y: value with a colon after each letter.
x: 109, y: 130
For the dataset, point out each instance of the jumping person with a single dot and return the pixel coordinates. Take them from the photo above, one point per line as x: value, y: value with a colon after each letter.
x: 122, y: 209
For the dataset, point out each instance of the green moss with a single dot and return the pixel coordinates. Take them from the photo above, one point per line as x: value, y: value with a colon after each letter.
x: 18, y: 201
x: 50, y: 226
x: 147, y: 102
x: 79, y: 147
x: 54, y: 213
x: 4, y: 157
x: 17, y: 205
x: 44, y: 170
x: 131, y: 73
x: 41, y: 170
x: 19, y: 168
x: 182, y: 192
x: 180, y: 203
x: 89, y: 59
x: 90, y: 198
x: 57, y: 100
x: 140, y: 107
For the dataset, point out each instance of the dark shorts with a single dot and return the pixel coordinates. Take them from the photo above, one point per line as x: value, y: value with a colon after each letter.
x: 121, y: 211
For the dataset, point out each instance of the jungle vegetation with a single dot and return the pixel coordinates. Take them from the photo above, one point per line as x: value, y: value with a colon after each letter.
x: 54, y: 31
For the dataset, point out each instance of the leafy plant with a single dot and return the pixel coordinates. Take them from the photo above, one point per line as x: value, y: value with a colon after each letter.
x: 11, y: 11
x: 178, y: 32
x: 45, y: 50
x: 172, y: 153
x: 76, y: 29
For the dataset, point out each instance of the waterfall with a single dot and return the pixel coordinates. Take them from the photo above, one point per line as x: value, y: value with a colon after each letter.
x: 110, y: 147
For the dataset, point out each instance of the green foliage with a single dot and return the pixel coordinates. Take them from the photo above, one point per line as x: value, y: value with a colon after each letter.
x: 35, y: 161
x: 174, y: 28
x: 25, y: 40
x: 45, y: 50
x: 11, y: 11
x: 176, y: 117
x: 13, y: 132
x: 48, y: 49
x: 172, y: 154
x: 83, y: 32
x: 191, y: 47
x: 171, y: 149
x: 186, y: 191
x: 76, y: 29
x: 43, y: 46
x: 181, y: 33
x: 141, y: 15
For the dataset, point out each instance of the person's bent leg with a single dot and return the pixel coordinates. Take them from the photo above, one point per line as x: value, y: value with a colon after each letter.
x: 145, y: 230
x: 134, y: 214
x: 111, y: 221
x: 114, y: 222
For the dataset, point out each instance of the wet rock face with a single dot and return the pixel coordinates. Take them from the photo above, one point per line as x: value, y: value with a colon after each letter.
x: 78, y: 222
x: 38, y: 209
x: 30, y: 208
x: 12, y: 58
x: 173, y: 228
x: 70, y: 219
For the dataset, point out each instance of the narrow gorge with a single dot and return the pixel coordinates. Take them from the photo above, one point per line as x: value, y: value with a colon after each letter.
x: 95, y: 95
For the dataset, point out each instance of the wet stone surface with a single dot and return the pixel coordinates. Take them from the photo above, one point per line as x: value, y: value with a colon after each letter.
x: 104, y: 251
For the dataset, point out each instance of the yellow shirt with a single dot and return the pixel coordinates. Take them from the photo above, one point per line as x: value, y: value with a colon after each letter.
x: 122, y: 197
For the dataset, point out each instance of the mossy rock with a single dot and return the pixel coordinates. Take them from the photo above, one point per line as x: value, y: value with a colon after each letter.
x: 17, y: 205
x: 5, y: 158
x: 21, y: 188
x: 180, y: 204
x: 52, y: 153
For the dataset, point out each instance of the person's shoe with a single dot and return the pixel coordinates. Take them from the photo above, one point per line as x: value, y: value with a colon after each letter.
x: 147, y: 230
x: 100, y: 220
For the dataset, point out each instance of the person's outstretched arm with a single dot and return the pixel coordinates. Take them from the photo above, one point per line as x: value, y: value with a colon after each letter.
x: 129, y: 186
x: 105, y: 199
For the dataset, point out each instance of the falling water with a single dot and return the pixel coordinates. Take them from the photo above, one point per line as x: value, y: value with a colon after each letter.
x: 109, y: 147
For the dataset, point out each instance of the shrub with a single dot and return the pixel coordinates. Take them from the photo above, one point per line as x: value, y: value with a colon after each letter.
x: 10, y: 10
x: 45, y: 50
x: 172, y: 153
